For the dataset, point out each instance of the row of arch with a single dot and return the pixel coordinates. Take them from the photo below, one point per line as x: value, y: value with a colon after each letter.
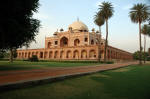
x: 112, y: 54
x: 69, y: 54
x: 75, y: 54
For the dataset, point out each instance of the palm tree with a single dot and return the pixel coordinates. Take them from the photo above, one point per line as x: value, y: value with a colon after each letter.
x: 138, y: 14
x: 99, y: 21
x: 145, y: 31
x: 106, y: 12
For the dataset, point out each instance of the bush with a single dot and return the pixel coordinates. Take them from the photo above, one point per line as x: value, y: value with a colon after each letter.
x: 109, y: 62
x: 34, y: 58
x: 148, y: 58
x: 4, y: 59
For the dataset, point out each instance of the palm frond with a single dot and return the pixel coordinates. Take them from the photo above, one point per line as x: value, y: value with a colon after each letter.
x: 106, y: 9
x: 98, y: 19
x: 139, y: 13
x: 144, y: 30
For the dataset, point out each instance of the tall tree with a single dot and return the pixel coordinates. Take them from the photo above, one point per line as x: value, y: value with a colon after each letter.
x: 137, y: 53
x: 99, y: 20
x: 139, y: 14
x: 17, y: 26
x: 145, y: 31
x: 148, y: 2
x: 106, y: 12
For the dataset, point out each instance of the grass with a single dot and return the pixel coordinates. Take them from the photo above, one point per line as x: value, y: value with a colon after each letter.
x: 26, y: 65
x: 126, y: 83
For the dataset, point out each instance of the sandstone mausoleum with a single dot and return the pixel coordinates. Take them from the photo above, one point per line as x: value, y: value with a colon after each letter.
x: 77, y: 43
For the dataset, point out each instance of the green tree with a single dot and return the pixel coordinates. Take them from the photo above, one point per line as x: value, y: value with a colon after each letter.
x: 17, y: 26
x: 145, y: 31
x: 2, y: 54
x: 99, y: 20
x: 136, y: 55
x: 138, y: 14
x: 106, y: 12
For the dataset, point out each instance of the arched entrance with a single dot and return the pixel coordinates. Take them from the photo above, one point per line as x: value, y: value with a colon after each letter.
x: 22, y: 54
x: 25, y: 55
x: 76, y: 42
x: 56, y: 54
x: 50, y: 54
x: 63, y: 42
x: 92, y: 42
x: 68, y: 54
x: 41, y: 54
x: 62, y: 54
x: 49, y: 45
x: 29, y: 55
x: 84, y: 54
x: 92, y: 54
x: 45, y: 54
x: 76, y: 54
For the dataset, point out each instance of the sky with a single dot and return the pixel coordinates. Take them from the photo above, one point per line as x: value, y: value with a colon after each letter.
x: 56, y: 14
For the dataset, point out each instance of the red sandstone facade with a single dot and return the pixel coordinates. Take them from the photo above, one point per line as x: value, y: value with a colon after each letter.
x: 75, y: 44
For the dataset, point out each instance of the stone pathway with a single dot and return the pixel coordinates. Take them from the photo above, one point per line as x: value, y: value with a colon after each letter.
x: 22, y: 76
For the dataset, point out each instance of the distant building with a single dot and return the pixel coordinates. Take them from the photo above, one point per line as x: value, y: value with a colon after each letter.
x: 77, y: 43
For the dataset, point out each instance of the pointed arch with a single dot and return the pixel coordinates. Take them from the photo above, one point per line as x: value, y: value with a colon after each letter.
x: 84, y: 54
x: 64, y: 41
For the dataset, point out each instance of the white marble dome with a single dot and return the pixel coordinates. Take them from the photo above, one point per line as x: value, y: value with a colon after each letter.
x: 78, y: 25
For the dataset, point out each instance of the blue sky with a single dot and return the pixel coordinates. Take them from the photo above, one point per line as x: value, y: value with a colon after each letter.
x: 56, y: 14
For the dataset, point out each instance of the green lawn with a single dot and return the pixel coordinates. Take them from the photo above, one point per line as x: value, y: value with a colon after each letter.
x: 24, y: 65
x: 126, y: 83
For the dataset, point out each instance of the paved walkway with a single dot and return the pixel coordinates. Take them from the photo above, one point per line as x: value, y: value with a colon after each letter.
x: 21, y: 76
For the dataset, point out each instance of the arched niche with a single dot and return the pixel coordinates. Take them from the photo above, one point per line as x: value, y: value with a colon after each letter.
x: 64, y: 41
x: 76, y: 42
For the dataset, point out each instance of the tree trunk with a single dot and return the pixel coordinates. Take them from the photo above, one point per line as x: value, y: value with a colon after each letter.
x: 11, y: 55
x: 99, y: 54
x: 144, y: 47
x: 106, y: 40
x: 100, y: 30
x: 140, y: 56
x: 99, y: 46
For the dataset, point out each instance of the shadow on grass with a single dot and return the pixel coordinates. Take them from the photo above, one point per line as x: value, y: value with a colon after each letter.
x: 5, y: 68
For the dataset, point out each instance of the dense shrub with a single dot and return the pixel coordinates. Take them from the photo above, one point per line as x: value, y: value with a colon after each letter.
x: 148, y: 58
x: 4, y: 59
x: 109, y: 62
x: 34, y: 58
